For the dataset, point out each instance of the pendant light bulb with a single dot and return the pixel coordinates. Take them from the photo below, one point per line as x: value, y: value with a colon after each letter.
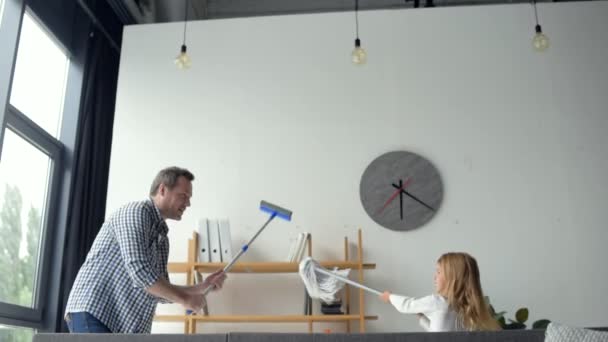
x: 183, y: 60
x: 540, y: 42
x: 359, y: 56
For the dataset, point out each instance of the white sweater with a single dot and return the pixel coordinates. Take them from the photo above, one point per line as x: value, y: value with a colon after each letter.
x: 437, y: 313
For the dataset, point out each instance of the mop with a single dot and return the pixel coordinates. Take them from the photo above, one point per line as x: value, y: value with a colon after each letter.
x: 323, y: 284
x: 274, y: 211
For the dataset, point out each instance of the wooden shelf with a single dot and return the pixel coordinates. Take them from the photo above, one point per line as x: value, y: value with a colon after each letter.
x: 357, y: 266
x: 262, y: 318
x: 260, y: 267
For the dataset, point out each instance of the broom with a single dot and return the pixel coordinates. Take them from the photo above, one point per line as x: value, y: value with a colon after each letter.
x: 274, y: 211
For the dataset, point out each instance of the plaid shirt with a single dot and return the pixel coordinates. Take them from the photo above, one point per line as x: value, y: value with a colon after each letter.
x: 129, y: 254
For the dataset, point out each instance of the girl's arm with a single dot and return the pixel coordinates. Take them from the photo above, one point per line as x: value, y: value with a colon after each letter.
x: 424, y: 321
x: 411, y: 305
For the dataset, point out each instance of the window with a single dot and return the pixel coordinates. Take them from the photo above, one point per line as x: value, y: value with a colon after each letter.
x: 40, y: 74
x: 24, y: 174
x: 1, y: 10
x: 13, y: 334
x: 30, y: 167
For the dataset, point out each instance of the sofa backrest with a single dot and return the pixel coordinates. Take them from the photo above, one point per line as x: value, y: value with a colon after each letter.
x: 502, y: 336
x: 129, y: 338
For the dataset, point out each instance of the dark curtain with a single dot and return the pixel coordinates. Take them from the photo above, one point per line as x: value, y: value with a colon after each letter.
x: 91, y: 162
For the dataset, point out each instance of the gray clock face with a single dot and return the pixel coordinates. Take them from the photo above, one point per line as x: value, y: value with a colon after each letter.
x: 401, y: 190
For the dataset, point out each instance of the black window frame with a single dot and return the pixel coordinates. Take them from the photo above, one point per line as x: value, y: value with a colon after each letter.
x: 43, y: 315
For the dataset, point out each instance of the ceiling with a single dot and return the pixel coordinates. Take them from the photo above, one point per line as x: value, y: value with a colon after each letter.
x: 158, y: 11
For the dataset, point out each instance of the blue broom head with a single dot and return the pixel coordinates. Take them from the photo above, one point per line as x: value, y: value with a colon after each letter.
x: 275, y: 210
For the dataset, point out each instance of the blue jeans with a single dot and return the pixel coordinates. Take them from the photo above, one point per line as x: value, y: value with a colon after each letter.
x: 84, y: 322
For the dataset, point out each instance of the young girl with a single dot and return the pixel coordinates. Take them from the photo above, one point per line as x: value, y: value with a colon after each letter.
x: 458, y: 303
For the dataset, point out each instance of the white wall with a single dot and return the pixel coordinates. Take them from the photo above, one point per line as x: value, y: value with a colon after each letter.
x: 272, y: 109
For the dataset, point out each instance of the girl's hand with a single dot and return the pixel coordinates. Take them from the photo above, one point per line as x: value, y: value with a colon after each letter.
x: 385, y: 296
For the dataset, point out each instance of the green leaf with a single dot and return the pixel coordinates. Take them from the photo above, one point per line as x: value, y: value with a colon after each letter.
x: 541, y: 324
x: 502, y: 322
x: 499, y: 315
x: 522, y: 315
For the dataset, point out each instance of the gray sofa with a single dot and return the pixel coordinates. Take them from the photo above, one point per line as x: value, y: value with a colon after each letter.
x: 501, y: 336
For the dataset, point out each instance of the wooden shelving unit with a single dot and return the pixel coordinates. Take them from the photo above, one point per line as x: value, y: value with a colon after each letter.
x: 272, y: 267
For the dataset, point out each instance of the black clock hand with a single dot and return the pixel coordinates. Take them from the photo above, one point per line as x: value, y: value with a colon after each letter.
x: 401, y: 205
x: 400, y: 187
x: 401, y: 202
x: 398, y: 192
x: 418, y: 200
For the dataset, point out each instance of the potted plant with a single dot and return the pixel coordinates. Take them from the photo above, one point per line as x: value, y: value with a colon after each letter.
x: 521, y: 316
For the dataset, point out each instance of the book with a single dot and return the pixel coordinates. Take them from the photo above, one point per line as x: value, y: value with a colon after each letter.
x: 203, y: 241
x: 301, y: 247
x: 293, y: 245
x: 295, y: 257
x: 215, y: 248
x: 225, y: 241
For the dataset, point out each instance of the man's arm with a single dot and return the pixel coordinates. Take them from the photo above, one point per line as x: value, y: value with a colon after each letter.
x: 185, y: 295
x: 132, y: 231
x: 191, y: 297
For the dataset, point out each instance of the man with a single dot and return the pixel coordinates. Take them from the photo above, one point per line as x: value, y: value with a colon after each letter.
x: 125, y: 273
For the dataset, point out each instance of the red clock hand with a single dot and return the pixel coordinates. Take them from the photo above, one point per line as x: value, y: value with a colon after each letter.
x: 406, y: 183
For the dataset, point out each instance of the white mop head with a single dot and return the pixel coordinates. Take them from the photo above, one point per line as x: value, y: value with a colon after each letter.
x: 320, y: 285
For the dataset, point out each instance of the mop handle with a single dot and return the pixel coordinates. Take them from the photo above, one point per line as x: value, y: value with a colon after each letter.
x: 348, y: 281
x: 242, y: 251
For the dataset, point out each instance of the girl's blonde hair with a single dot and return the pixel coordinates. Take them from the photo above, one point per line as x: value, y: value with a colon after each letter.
x: 463, y: 291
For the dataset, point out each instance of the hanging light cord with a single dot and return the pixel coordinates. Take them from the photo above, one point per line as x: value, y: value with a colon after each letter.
x: 535, y: 12
x: 357, y: 18
x: 185, y: 19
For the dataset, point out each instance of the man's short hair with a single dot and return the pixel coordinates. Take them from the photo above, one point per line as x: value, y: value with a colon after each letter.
x: 169, y: 176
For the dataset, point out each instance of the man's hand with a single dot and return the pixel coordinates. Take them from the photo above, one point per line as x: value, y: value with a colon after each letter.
x: 385, y: 296
x: 215, y: 281
x: 188, y: 296
x: 194, y: 302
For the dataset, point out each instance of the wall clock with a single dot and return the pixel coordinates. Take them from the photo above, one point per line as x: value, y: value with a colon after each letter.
x: 401, y: 190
